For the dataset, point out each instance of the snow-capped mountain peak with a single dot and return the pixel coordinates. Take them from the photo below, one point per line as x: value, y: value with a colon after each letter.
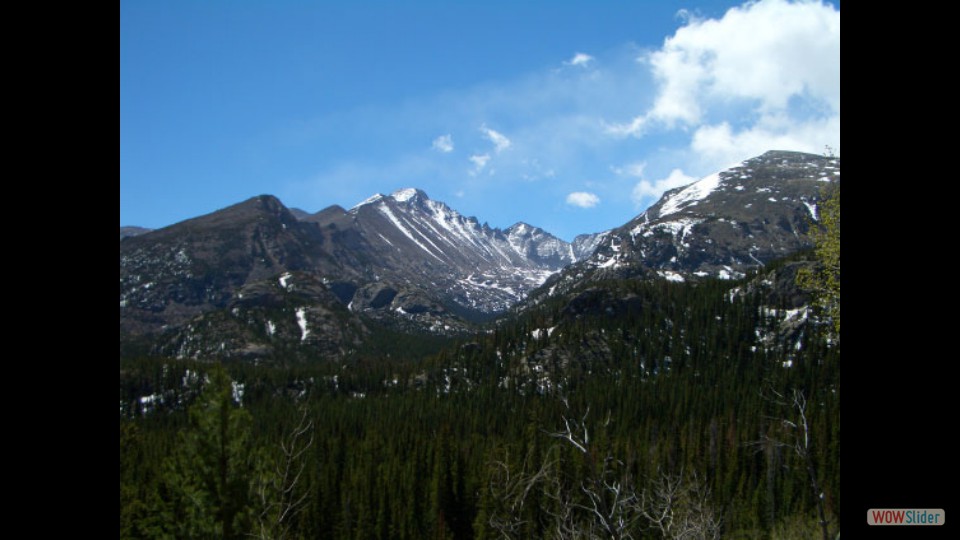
x: 411, y: 238
x: 721, y: 225
x: 406, y: 194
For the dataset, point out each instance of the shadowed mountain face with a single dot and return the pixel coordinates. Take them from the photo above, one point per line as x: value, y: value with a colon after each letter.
x: 209, y: 285
x: 403, y: 259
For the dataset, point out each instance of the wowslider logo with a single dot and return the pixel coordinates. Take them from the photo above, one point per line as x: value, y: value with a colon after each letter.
x: 903, y: 516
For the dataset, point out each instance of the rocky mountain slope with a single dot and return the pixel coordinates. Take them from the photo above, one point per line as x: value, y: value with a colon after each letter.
x: 250, y: 279
x: 233, y: 283
x: 720, y: 226
x: 634, y: 328
x: 413, y: 242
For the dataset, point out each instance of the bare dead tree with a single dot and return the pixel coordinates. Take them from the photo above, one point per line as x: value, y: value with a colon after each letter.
x: 604, y: 503
x: 511, y: 489
x: 679, y: 507
x: 796, y: 435
x: 610, y: 504
x: 279, y: 493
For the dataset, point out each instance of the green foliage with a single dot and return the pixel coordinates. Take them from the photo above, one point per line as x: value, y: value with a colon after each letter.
x: 206, y: 487
x: 825, y: 281
x: 403, y: 447
x: 796, y: 528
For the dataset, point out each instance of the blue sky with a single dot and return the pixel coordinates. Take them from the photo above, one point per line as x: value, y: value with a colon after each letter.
x: 572, y: 116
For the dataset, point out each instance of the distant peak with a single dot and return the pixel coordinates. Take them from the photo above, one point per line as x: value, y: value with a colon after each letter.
x: 404, y: 195
x: 521, y: 228
x: 369, y: 200
x: 266, y: 199
x: 400, y: 196
x: 267, y: 203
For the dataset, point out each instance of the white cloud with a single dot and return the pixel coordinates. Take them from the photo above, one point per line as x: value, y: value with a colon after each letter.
x: 479, y: 162
x: 721, y: 144
x: 579, y: 59
x: 443, y: 143
x: 631, y: 169
x: 702, y: 85
x: 583, y: 199
x: 763, y: 58
x: 633, y: 127
x: 648, y: 192
x: 500, y: 142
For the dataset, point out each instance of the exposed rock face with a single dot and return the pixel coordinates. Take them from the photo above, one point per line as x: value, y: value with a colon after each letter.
x: 411, y: 241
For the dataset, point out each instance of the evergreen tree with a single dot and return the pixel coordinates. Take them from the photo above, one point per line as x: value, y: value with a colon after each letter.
x: 206, y: 487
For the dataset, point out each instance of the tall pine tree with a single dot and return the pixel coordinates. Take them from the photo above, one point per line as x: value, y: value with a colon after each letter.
x: 206, y: 487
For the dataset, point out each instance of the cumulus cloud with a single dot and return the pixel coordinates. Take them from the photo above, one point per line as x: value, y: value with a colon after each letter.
x: 722, y: 144
x: 647, y: 191
x: 579, y: 59
x: 479, y: 162
x: 583, y: 199
x: 771, y: 58
x: 443, y: 143
x: 499, y: 140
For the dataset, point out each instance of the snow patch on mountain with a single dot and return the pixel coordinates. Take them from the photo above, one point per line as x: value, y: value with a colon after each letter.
x: 385, y: 210
x: 369, y: 200
x: 302, y: 323
x: 671, y: 276
x: 691, y: 194
x: 404, y: 195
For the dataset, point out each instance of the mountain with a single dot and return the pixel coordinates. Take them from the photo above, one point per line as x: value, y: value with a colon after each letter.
x: 721, y: 226
x: 410, y: 241
x: 256, y: 278
x: 425, y: 248
x: 243, y: 281
x: 174, y: 273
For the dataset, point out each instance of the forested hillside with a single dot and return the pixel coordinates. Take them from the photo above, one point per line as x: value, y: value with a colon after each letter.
x: 623, y: 409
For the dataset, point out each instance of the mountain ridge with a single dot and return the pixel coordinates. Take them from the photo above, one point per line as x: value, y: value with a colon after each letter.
x: 416, y: 264
x: 720, y: 226
x: 403, y: 260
